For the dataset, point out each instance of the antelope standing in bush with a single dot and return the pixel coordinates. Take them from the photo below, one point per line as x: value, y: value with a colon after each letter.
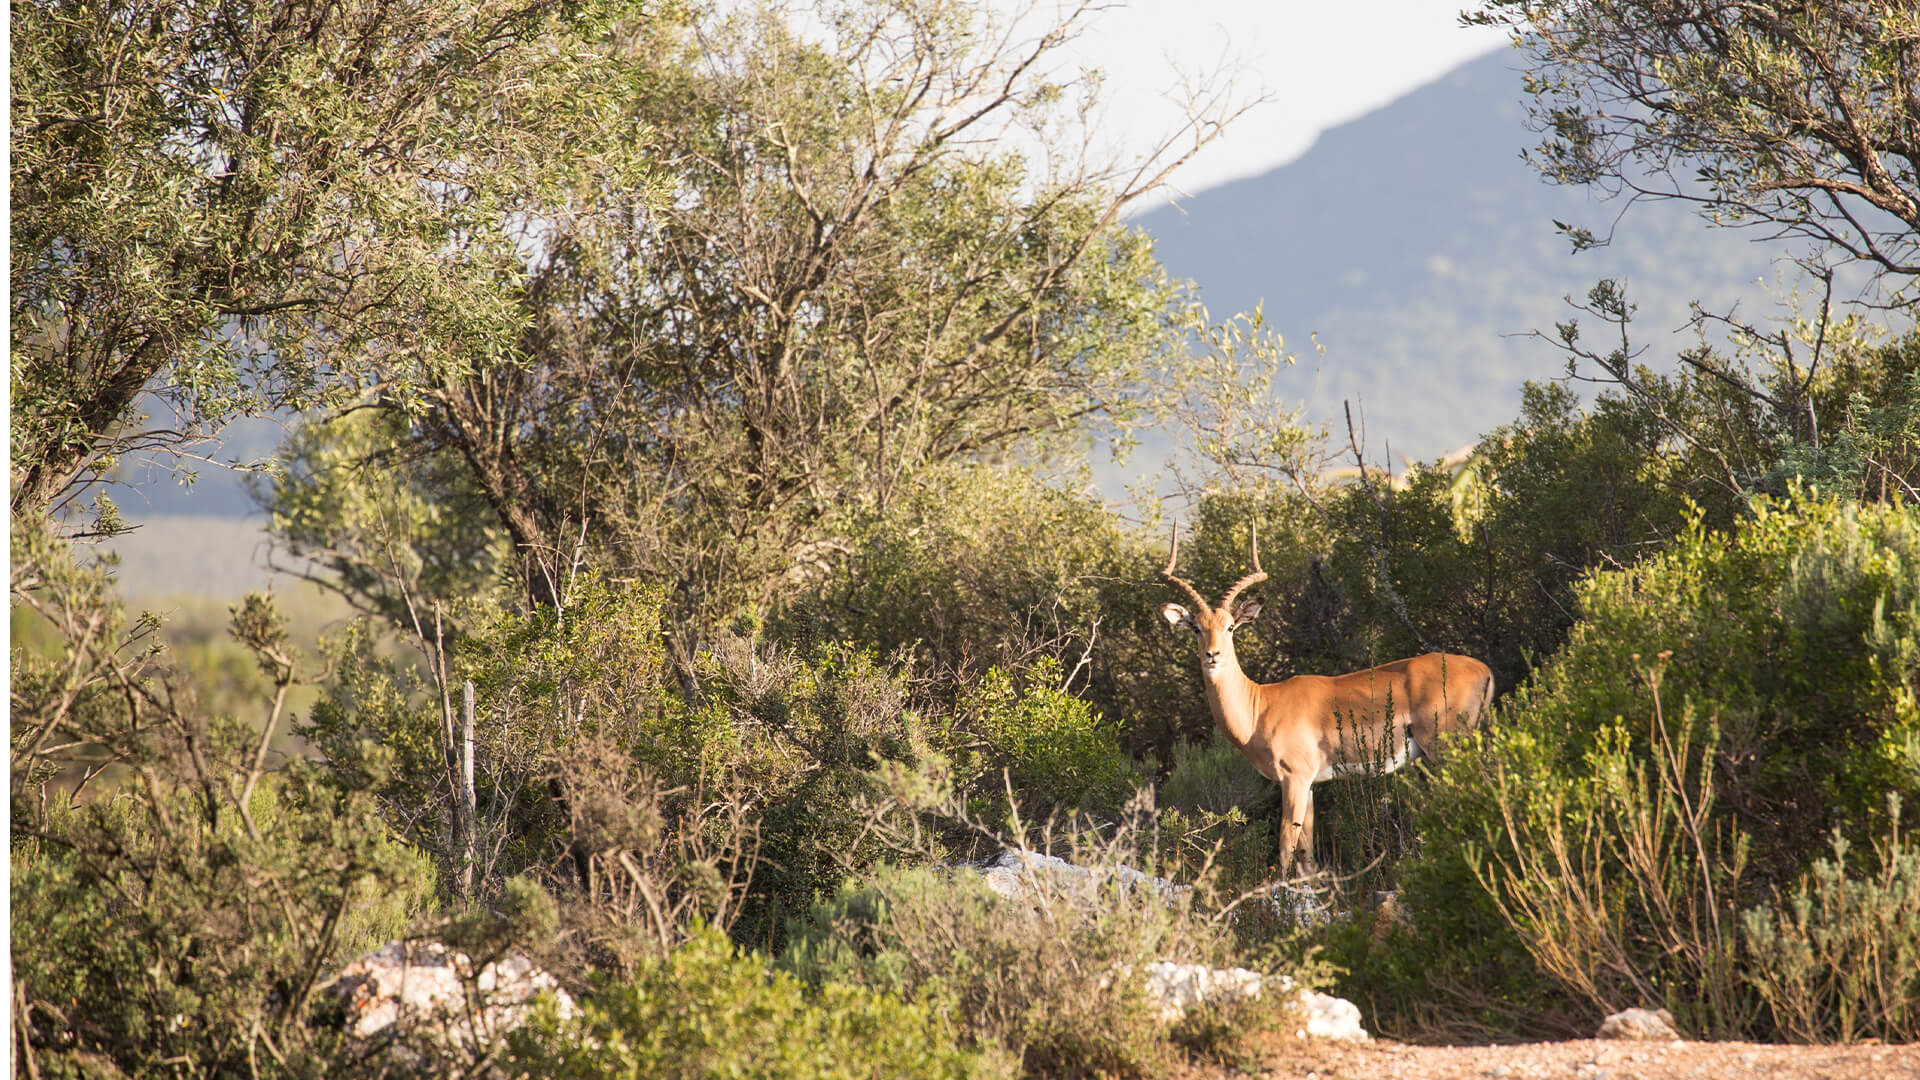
x: 1316, y: 727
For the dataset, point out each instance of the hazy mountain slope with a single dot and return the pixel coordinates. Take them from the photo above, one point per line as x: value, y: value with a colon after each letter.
x: 1416, y: 242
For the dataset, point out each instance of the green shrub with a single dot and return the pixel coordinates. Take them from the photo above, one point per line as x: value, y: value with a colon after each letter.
x: 1041, y: 985
x: 1487, y: 560
x: 1216, y: 806
x: 1794, y: 667
x: 176, y: 900
x: 1054, y: 975
x: 174, y: 942
x: 1869, y: 418
x: 738, y: 792
x: 711, y: 1010
x: 1057, y: 750
x: 1798, y: 633
x: 978, y: 565
x: 1213, y: 776
x: 1455, y: 967
x: 1625, y: 889
x: 1838, y: 959
x: 812, y: 726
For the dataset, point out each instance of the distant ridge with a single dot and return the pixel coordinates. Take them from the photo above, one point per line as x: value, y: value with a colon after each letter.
x: 1416, y: 243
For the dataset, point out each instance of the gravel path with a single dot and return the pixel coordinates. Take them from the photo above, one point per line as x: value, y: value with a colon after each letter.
x: 1592, y: 1059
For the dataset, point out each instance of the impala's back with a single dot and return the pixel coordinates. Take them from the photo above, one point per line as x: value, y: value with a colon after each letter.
x: 1430, y: 697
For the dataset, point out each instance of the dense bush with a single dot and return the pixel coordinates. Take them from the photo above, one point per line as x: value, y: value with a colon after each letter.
x: 176, y: 897
x: 1215, y: 806
x: 708, y: 1009
x: 1046, y: 976
x: 998, y: 567
x: 585, y: 745
x: 1055, y: 749
x: 1799, y: 634
x: 1486, y: 560
x: 977, y: 566
x: 1838, y: 957
x: 1719, y: 711
x: 179, y: 936
x: 1873, y: 454
x: 809, y: 727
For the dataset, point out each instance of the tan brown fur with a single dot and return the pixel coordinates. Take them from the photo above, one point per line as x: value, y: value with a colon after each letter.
x: 1311, y: 727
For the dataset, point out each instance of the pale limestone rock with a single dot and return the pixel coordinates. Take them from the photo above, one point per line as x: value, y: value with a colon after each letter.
x: 1644, y: 1024
x: 1177, y: 988
x: 1016, y: 874
x: 421, y: 989
x: 1329, y: 1017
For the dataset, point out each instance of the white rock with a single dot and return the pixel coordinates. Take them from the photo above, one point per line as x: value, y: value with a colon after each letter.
x: 423, y: 987
x: 1179, y: 987
x: 1329, y: 1017
x: 1017, y: 874
x: 1638, y: 1024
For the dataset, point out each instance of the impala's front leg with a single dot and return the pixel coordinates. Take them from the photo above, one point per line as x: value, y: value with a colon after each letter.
x: 1296, y: 826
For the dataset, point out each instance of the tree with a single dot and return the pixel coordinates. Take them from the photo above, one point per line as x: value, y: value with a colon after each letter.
x: 221, y: 204
x: 849, y: 273
x: 1801, y: 117
x: 220, y: 207
x: 1798, y: 117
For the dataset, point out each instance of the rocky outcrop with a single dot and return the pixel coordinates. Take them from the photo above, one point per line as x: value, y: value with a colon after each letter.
x: 1178, y: 988
x: 1329, y: 1017
x: 409, y: 991
x: 1018, y: 874
x: 1639, y: 1024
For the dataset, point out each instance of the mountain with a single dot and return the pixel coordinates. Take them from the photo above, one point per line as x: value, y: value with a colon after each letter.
x: 1420, y: 248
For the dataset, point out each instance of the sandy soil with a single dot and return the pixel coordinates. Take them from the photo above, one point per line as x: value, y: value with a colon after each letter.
x: 1591, y: 1059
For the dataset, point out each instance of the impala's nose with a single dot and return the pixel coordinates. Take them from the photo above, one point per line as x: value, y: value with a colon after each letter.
x: 1212, y: 657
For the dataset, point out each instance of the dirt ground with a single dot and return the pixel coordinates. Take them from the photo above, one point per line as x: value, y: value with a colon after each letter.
x: 1593, y: 1059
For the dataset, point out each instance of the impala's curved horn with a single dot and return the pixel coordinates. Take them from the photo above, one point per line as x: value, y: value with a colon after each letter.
x: 1258, y: 575
x: 1172, y: 580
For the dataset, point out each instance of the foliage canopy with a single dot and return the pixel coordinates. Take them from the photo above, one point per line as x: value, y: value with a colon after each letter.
x: 226, y: 206
x: 1800, y: 117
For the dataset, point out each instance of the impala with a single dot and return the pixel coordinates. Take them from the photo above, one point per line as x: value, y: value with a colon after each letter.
x: 1316, y: 727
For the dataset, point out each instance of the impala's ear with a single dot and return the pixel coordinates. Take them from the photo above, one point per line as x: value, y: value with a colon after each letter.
x: 1177, y: 616
x: 1245, y: 612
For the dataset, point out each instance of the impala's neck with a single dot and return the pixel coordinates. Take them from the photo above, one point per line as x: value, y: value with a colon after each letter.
x: 1230, y: 696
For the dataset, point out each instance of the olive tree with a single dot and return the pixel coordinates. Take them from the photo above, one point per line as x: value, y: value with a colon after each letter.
x: 877, y: 243
x: 1797, y: 118
x: 218, y: 207
x: 1801, y: 117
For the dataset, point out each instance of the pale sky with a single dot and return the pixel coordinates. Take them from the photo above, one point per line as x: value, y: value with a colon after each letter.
x: 1321, y: 62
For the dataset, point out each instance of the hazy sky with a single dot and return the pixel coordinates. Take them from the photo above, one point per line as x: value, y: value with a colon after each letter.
x: 1322, y: 62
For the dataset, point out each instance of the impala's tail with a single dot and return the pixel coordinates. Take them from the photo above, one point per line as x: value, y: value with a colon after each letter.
x: 1486, y: 700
